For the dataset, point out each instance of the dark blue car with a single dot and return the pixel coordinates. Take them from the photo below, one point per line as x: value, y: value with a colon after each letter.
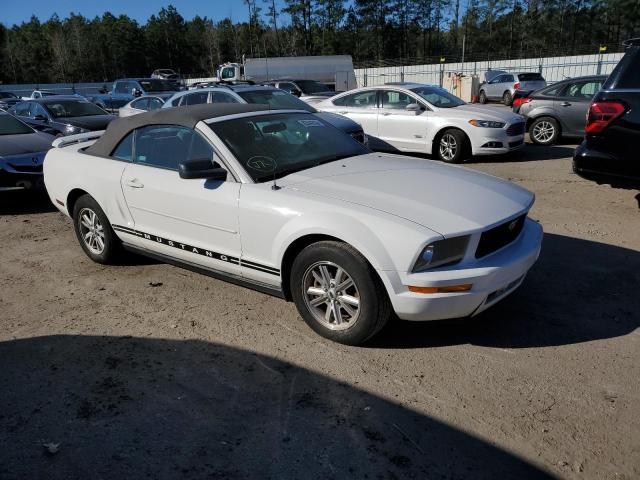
x: 22, y: 151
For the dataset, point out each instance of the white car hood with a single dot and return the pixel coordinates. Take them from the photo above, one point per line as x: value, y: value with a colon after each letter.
x: 469, y: 112
x: 445, y: 199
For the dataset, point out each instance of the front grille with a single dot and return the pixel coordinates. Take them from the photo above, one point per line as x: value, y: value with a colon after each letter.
x: 27, y: 168
x: 515, y: 129
x: 499, y: 236
x: 358, y: 136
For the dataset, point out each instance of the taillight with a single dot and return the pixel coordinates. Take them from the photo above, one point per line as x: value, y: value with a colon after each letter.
x: 516, y: 86
x: 601, y: 114
x: 518, y: 102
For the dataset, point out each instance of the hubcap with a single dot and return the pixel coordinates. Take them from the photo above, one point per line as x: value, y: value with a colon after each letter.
x: 543, y: 131
x: 331, y: 295
x: 91, y: 231
x: 448, y: 146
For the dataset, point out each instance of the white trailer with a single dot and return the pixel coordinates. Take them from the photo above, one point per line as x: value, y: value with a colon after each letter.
x: 334, y: 70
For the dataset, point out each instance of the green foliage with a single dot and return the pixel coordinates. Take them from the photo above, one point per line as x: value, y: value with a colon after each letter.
x: 77, y: 49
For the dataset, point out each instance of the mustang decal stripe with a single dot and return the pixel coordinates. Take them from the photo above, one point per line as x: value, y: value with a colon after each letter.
x: 197, y: 250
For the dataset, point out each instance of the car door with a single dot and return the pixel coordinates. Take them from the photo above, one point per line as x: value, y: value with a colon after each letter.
x: 494, y: 89
x: 362, y: 108
x: 195, y: 221
x: 573, y: 103
x: 405, y: 130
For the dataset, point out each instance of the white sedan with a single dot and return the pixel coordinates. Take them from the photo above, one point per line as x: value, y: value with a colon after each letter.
x: 413, y: 117
x: 283, y: 202
x: 139, y: 105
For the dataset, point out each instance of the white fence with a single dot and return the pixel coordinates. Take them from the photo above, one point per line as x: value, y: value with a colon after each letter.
x: 553, y: 69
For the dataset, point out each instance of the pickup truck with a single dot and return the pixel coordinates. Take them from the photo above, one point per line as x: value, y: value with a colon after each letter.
x: 126, y: 89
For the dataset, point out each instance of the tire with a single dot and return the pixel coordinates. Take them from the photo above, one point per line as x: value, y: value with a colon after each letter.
x: 544, y: 131
x: 452, y: 146
x: 94, y: 232
x: 482, y: 98
x: 362, y: 305
x: 507, y: 98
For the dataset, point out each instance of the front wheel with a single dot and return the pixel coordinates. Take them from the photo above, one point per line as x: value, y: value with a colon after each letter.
x: 94, y: 231
x: 338, y: 294
x: 483, y: 97
x: 452, y: 146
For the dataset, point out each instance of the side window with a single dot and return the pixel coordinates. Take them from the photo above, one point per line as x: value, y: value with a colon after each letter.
x: 220, y: 97
x: 22, y: 109
x: 154, y: 103
x: 228, y: 72
x: 195, y: 98
x: 124, y: 150
x: 165, y: 146
x: 140, y: 104
x: 510, y: 79
x: 37, y: 109
x: 395, y: 100
x: 288, y: 87
x: 367, y: 99
x: 583, y: 90
x: 121, y: 87
x: 176, y: 101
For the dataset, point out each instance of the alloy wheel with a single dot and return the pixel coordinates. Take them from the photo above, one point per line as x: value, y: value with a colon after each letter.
x: 448, y: 147
x: 331, y: 295
x: 92, y: 231
x: 543, y: 131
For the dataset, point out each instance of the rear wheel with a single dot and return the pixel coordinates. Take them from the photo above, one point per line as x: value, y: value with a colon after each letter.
x: 483, y: 97
x: 338, y: 294
x: 452, y: 146
x: 544, y: 131
x: 507, y: 98
x: 94, y: 231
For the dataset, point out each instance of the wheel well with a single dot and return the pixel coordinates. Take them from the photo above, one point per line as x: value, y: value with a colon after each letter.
x: 436, y: 139
x: 73, y: 197
x: 507, y: 91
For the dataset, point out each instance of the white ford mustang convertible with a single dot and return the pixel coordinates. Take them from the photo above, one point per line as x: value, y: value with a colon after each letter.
x: 285, y: 203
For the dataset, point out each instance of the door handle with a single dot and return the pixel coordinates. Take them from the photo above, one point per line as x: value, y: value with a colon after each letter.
x: 134, y: 183
x: 566, y: 104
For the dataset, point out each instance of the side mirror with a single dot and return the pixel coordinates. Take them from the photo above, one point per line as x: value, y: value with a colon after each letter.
x: 40, y: 118
x: 201, y: 168
x: 135, y: 92
x: 413, y: 107
x: 295, y: 92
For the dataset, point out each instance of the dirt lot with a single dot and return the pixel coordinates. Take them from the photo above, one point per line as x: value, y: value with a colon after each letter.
x: 148, y: 371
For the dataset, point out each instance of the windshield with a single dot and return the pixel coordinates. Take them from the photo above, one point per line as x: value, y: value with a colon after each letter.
x: 275, y: 145
x: 530, y: 77
x: 10, y: 125
x: 151, y: 86
x: 438, y: 97
x: 276, y: 99
x: 311, y: 86
x: 7, y: 95
x: 73, y: 108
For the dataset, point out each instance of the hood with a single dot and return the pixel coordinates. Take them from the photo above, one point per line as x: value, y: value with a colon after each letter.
x: 90, y: 122
x: 25, y: 143
x: 469, y: 112
x: 446, y: 199
x: 491, y: 74
x: 340, y: 122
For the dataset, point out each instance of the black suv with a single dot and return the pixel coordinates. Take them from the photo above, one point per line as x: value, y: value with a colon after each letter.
x: 609, y: 152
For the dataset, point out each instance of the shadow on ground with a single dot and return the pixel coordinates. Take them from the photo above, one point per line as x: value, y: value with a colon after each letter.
x: 122, y: 407
x: 578, y: 291
x: 20, y: 202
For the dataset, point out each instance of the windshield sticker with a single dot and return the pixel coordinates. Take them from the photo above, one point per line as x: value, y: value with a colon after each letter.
x: 311, y: 123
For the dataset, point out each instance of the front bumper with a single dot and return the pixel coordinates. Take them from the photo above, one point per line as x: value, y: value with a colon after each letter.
x: 493, y: 278
x: 483, y: 143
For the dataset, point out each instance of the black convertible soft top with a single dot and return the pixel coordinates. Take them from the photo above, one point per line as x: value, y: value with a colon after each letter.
x: 182, y: 116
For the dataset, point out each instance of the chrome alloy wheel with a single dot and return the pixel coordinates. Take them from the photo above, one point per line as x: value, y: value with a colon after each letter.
x: 543, y: 131
x: 448, y: 147
x: 91, y: 231
x: 331, y: 295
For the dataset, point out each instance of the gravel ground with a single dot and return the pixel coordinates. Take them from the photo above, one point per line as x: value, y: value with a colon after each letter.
x: 147, y: 370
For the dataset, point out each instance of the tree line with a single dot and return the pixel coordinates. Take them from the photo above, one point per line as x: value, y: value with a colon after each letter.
x: 374, y: 32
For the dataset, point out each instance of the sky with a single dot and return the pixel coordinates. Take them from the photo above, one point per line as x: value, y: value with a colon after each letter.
x: 18, y: 11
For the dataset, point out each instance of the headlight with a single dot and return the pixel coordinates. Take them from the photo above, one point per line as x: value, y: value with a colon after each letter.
x: 486, y: 123
x: 442, y: 252
x: 69, y: 129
